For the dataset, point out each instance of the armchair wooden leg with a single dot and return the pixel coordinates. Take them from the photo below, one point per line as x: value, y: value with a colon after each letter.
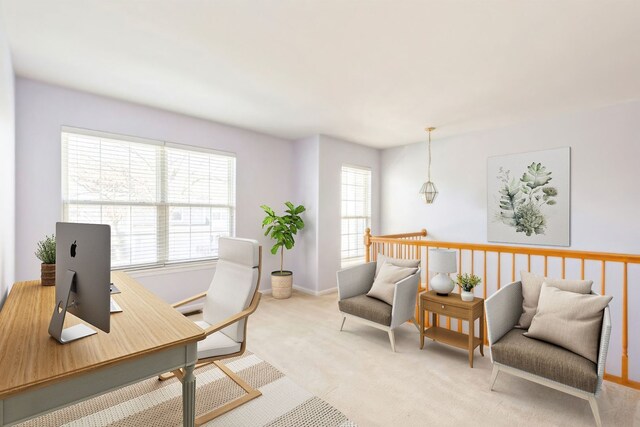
x: 392, y: 338
x: 342, y: 325
x: 178, y: 372
x: 494, y: 376
x: 594, y: 408
x: 251, y: 393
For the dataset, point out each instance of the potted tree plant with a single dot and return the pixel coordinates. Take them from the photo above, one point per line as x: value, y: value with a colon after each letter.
x: 467, y: 282
x: 46, y: 253
x: 282, y: 229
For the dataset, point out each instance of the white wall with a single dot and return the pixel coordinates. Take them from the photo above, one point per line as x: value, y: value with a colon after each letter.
x: 605, y: 197
x: 306, y: 173
x: 263, y: 168
x: 605, y: 149
x: 333, y: 154
x: 7, y: 168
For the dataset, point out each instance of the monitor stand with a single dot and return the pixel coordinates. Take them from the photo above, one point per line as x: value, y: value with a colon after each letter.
x: 57, y: 319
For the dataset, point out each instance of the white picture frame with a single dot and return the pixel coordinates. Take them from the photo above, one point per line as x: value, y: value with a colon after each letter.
x: 529, y: 198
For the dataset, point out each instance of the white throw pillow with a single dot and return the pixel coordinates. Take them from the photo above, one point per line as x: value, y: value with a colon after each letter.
x: 384, y: 286
x: 412, y: 263
x: 569, y: 320
x: 531, y: 286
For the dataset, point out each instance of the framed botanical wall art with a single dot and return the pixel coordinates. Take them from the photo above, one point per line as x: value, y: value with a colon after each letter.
x: 529, y: 197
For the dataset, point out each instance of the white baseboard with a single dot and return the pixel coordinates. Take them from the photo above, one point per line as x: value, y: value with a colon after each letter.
x: 304, y: 291
x: 315, y: 293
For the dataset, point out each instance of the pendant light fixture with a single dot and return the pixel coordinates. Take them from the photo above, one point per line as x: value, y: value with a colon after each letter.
x: 429, y: 190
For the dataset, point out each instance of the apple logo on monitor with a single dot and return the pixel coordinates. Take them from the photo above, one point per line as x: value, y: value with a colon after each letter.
x: 73, y: 249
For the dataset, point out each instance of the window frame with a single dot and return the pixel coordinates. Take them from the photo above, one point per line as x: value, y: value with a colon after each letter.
x: 345, y: 262
x: 163, y: 205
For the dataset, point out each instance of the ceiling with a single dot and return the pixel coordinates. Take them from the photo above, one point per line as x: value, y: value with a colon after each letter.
x: 369, y: 71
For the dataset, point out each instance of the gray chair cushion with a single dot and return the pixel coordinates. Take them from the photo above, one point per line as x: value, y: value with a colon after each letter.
x: 367, y: 308
x: 546, y: 360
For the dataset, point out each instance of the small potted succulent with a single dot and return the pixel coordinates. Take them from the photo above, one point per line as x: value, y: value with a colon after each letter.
x: 467, y: 282
x: 282, y: 229
x: 46, y: 253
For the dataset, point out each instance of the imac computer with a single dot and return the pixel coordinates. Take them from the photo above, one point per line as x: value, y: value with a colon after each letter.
x: 83, y: 272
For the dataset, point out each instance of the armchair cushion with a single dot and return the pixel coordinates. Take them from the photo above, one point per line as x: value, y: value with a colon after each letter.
x: 570, y: 320
x: 385, y: 283
x: 545, y: 360
x: 367, y: 308
x: 216, y: 344
x: 531, y: 286
x: 382, y: 259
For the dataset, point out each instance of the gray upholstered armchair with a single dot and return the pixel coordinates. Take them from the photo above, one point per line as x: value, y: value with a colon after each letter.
x: 539, y: 361
x: 353, y: 285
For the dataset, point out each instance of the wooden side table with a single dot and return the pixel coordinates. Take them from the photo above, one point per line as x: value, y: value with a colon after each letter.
x: 452, y: 306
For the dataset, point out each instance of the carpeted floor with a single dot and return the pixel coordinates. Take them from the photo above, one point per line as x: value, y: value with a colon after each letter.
x: 159, y: 403
x: 356, y: 372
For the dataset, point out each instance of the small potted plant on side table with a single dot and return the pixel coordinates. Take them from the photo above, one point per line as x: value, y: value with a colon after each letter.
x: 46, y: 252
x: 467, y: 282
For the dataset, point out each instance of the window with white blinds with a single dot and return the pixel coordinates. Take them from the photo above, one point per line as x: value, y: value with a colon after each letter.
x: 165, y: 203
x: 356, y: 212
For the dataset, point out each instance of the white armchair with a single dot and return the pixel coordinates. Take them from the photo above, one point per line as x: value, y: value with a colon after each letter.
x: 353, y: 285
x: 232, y: 296
x: 539, y: 361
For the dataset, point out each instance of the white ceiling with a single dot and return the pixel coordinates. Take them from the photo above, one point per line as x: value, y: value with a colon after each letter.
x: 374, y: 72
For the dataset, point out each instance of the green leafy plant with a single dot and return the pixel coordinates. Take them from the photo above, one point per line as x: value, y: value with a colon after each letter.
x: 46, y: 250
x: 522, y: 201
x: 283, y: 228
x: 468, y: 281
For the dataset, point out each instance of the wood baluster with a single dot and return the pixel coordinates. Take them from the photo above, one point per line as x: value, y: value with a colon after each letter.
x: 529, y: 263
x: 460, y: 290
x: 367, y: 245
x: 545, y: 266
x: 582, y: 268
x: 484, y: 275
x: 625, y: 326
x: 426, y: 266
x: 484, y: 292
x: 513, y: 267
x: 602, y: 279
x: 564, y: 264
x: 448, y: 318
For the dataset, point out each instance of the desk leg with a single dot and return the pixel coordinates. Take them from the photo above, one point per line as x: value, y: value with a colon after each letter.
x: 471, y: 336
x: 189, y: 397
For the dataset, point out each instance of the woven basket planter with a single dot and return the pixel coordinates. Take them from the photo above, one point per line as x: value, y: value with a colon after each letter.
x: 281, y: 283
x: 47, y: 274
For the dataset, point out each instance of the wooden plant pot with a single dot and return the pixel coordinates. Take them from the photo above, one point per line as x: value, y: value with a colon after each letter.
x: 47, y: 274
x: 281, y: 284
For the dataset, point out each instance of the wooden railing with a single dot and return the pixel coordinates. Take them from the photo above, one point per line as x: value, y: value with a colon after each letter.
x: 499, y: 265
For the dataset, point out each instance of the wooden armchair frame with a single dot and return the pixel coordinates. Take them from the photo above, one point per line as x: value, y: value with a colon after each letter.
x: 251, y: 393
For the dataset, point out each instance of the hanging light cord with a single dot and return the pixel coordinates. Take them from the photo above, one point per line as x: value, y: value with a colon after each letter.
x: 429, y: 168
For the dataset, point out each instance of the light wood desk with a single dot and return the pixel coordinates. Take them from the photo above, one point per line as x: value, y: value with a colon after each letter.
x: 39, y: 375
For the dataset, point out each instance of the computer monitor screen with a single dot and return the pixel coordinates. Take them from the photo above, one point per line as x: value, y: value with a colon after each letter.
x: 84, y: 249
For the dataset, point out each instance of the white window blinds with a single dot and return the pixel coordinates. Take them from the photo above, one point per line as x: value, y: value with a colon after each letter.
x: 165, y: 203
x: 356, y: 212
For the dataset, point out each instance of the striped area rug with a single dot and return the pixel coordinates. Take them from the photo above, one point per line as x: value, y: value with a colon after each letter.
x: 159, y: 403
